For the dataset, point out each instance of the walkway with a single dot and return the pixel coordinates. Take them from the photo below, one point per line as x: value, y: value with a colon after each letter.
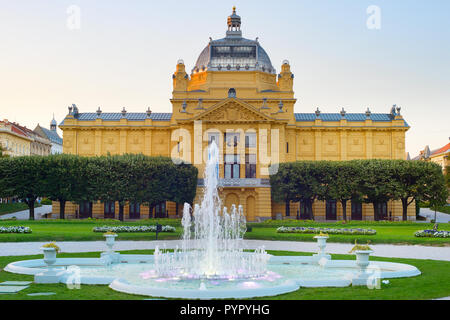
x: 25, y: 214
x: 381, y: 250
x: 429, y: 214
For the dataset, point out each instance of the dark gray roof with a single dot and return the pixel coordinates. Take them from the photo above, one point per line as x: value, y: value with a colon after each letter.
x: 131, y: 116
x: 381, y: 117
x: 52, y: 136
x: 236, y: 52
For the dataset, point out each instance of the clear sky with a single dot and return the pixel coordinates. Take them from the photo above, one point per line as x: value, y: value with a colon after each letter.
x: 124, y: 54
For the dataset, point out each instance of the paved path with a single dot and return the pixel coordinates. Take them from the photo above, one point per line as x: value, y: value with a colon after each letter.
x: 25, y: 214
x: 381, y: 250
x: 429, y: 214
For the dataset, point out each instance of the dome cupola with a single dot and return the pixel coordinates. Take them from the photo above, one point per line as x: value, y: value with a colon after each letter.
x: 234, y: 53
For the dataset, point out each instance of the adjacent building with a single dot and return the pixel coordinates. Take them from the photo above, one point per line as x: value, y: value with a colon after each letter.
x: 52, y: 135
x: 439, y: 156
x: 14, y: 140
x: 40, y: 146
x: 235, y: 96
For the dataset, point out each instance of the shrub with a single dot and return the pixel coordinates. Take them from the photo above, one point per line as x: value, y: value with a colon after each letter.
x: 354, y: 231
x: 432, y: 234
x: 46, y: 202
x: 119, y: 229
x: 18, y: 229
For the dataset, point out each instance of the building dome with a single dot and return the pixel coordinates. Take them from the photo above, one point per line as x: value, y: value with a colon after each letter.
x: 234, y: 53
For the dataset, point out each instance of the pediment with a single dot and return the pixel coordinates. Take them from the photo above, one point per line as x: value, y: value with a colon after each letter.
x: 233, y: 110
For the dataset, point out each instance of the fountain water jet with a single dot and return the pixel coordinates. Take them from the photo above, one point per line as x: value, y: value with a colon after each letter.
x: 212, y: 238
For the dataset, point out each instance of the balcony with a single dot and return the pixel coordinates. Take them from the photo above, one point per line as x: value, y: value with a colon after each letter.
x: 239, y: 183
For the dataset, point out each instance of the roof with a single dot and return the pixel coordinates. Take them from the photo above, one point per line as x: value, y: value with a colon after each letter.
x: 131, y: 116
x: 52, y: 136
x: 380, y: 117
x: 441, y: 150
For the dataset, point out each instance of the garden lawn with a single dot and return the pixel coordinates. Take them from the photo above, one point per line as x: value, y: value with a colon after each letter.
x: 81, y: 230
x: 432, y: 284
x: 6, y: 208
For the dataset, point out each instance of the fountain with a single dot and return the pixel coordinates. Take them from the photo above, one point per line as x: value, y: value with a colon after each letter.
x: 211, y: 262
x: 212, y: 239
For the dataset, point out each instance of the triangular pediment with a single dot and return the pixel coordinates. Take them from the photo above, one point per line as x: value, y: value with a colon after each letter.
x: 232, y: 110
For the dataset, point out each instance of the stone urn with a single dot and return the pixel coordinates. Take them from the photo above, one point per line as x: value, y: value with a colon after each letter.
x: 110, y: 240
x: 110, y: 256
x: 362, y: 259
x: 49, y: 256
x: 322, y: 244
x: 51, y: 275
x: 362, y: 278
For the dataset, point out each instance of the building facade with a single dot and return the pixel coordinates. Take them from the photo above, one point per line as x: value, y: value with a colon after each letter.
x: 439, y: 156
x: 14, y: 140
x: 235, y: 97
x: 52, y: 135
x: 40, y: 146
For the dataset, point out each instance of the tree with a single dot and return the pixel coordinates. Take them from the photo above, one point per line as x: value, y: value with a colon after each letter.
x: 435, y: 189
x: 22, y: 177
x: 299, y: 182
x: 66, y: 179
x: 409, y: 178
x: 342, y: 179
x: 376, y: 182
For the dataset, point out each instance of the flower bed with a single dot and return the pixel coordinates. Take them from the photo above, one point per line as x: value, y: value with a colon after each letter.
x: 18, y: 229
x: 432, y: 234
x: 119, y: 229
x: 354, y: 231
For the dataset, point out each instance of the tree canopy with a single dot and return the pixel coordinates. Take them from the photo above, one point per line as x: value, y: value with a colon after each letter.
x: 372, y: 181
x: 133, y: 178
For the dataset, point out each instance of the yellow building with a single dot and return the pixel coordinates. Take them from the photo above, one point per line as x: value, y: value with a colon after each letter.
x: 439, y: 156
x: 234, y: 96
x: 14, y: 140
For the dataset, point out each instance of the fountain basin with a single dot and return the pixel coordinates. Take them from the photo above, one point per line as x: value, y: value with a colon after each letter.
x: 284, y: 274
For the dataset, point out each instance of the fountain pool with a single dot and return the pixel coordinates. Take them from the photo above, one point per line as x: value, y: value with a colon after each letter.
x: 212, y: 262
x: 133, y: 274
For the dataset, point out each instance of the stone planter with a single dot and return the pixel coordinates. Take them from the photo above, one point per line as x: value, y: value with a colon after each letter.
x: 362, y: 261
x: 51, y: 275
x: 110, y: 256
x: 322, y: 244
x: 49, y: 256
x: 110, y: 241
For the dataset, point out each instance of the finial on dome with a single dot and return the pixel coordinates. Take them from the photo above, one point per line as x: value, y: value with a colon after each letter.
x: 234, y: 25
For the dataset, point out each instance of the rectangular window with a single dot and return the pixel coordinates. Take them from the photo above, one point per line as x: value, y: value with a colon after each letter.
x: 287, y: 147
x: 232, y: 166
x: 250, y: 140
x: 250, y: 166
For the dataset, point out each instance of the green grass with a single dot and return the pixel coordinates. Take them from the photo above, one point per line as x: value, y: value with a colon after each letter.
x: 81, y: 230
x: 6, y: 208
x: 432, y: 284
x: 394, y: 232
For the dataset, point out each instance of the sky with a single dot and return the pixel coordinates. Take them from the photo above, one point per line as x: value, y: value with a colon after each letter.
x: 114, y: 54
